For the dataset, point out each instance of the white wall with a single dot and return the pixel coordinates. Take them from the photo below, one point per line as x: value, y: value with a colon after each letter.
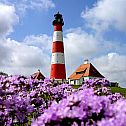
x: 74, y: 82
x: 86, y: 78
x: 78, y: 82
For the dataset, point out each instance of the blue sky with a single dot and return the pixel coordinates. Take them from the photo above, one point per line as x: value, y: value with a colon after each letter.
x: 94, y: 29
x: 40, y: 21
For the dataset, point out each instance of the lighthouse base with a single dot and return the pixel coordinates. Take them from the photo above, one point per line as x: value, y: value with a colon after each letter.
x: 58, y: 72
x: 59, y: 81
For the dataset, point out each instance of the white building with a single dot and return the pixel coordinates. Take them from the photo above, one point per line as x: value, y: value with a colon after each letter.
x: 84, y: 72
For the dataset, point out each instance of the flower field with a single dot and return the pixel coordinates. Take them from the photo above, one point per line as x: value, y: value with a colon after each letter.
x: 30, y: 102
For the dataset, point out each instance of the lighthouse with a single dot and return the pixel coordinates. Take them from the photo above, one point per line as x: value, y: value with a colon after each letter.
x: 58, y: 70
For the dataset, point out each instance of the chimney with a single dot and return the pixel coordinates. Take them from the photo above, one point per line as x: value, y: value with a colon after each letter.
x: 86, y: 61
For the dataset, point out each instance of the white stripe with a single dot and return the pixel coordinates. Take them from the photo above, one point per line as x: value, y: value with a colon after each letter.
x: 57, y: 36
x: 58, y: 58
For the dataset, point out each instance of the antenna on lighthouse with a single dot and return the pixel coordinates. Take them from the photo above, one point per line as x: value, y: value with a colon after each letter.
x: 58, y: 70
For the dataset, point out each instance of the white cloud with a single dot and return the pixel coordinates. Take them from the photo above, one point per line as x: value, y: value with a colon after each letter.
x: 80, y: 45
x: 113, y: 67
x: 106, y: 14
x: 34, y: 5
x: 102, y: 17
x: 23, y: 5
x: 20, y: 58
x: 42, y: 4
x: 41, y: 41
x: 8, y: 19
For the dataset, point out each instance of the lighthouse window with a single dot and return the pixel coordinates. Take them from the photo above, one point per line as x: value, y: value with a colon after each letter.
x: 58, y: 20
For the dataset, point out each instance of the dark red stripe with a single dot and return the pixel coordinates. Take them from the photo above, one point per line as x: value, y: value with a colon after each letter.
x: 57, y: 27
x: 58, y: 47
x: 58, y: 71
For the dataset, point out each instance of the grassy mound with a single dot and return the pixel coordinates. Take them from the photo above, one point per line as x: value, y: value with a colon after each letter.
x: 119, y: 90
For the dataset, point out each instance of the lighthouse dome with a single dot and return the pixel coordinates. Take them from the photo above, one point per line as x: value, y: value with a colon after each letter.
x: 58, y: 19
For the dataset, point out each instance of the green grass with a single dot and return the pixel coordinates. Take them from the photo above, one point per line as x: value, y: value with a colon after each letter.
x: 119, y: 90
x: 76, y: 86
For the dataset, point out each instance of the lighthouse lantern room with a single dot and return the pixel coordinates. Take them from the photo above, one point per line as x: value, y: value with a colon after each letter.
x: 58, y: 70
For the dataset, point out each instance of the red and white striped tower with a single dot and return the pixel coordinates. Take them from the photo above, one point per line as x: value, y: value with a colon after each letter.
x: 58, y: 71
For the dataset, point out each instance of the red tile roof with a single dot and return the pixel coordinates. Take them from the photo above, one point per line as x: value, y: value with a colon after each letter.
x: 38, y: 75
x: 85, y: 70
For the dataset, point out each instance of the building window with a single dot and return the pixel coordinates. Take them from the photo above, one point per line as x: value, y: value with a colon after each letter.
x: 74, y: 81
